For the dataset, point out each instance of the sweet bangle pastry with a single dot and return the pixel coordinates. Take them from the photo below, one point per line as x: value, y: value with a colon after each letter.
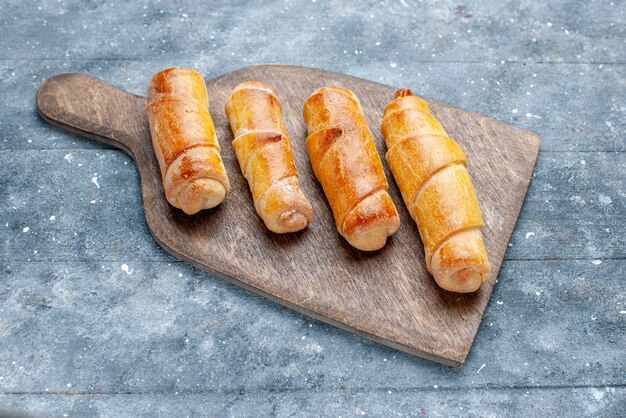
x: 345, y: 161
x: 266, y: 158
x: 429, y: 168
x: 183, y: 137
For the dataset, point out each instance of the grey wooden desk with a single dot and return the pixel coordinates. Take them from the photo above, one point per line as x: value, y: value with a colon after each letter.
x: 96, y: 319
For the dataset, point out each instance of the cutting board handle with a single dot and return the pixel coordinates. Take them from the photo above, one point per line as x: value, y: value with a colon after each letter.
x: 94, y: 109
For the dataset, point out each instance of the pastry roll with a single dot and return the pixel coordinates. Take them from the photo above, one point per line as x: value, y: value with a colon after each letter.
x: 265, y: 156
x: 429, y: 168
x: 345, y: 161
x: 183, y: 137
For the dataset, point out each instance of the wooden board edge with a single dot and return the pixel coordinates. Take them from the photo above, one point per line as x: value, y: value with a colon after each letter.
x: 458, y: 362
x: 46, y: 115
x: 86, y: 134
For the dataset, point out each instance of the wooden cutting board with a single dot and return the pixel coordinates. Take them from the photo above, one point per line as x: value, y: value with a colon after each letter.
x: 387, y: 296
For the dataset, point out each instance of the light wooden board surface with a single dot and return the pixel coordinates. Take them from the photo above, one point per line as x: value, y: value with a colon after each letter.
x: 388, y: 295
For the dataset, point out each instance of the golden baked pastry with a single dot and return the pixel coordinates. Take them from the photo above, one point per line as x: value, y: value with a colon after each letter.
x: 429, y: 168
x: 266, y: 159
x: 183, y: 137
x: 345, y: 161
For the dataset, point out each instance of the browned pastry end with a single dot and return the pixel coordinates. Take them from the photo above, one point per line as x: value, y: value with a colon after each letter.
x: 429, y: 168
x: 266, y: 158
x: 183, y: 137
x: 345, y: 161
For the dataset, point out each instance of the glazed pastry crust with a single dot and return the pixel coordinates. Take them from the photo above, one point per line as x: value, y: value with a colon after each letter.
x: 345, y: 161
x: 184, y: 141
x: 265, y: 156
x: 430, y: 170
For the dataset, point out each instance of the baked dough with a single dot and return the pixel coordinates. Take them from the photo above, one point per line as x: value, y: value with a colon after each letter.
x: 346, y: 163
x: 266, y: 158
x: 183, y: 137
x: 429, y: 168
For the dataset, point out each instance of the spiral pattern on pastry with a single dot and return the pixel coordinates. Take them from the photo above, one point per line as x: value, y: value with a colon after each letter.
x: 184, y: 141
x: 266, y: 157
x: 430, y: 170
x: 347, y: 165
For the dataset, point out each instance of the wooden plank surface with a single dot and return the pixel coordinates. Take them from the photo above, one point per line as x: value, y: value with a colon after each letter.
x: 386, y: 296
x: 163, y: 337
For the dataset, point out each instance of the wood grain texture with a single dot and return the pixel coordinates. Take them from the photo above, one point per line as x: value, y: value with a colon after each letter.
x: 388, y: 295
